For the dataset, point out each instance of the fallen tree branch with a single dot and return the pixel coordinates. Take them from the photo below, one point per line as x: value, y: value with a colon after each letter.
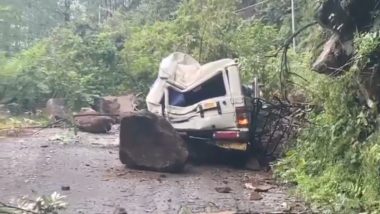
x: 2, y: 205
x: 48, y: 126
x: 95, y: 114
x: 289, y: 40
x: 285, y: 70
x: 34, y: 127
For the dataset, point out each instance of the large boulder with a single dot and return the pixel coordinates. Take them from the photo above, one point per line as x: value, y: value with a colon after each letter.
x: 344, y: 17
x: 334, y: 57
x: 107, y: 105
x: 127, y: 103
x: 115, y: 105
x: 56, y: 108
x: 148, y: 141
x: 88, y: 120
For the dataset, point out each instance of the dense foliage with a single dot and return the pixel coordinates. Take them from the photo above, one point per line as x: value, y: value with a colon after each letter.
x: 82, y: 60
x: 335, y: 160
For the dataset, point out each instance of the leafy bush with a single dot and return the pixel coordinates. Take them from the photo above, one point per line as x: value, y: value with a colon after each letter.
x: 255, y: 44
x: 71, y: 63
x: 335, y: 160
x: 81, y: 60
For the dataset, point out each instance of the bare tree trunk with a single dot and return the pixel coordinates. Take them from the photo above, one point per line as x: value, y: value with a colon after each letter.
x: 67, y: 11
x: 110, y: 6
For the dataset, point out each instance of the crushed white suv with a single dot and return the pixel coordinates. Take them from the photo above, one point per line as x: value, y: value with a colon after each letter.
x: 206, y: 102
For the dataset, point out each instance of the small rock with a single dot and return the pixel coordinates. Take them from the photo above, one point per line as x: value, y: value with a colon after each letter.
x: 263, y: 188
x: 270, y: 181
x: 223, y: 189
x: 120, y: 211
x: 224, y: 212
x: 44, y: 146
x: 65, y: 188
x: 120, y: 174
x: 253, y: 164
x: 249, y: 186
x: 255, y: 196
x: 163, y: 176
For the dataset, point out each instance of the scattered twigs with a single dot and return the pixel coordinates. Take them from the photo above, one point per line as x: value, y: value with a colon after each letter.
x: 48, y: 126
x: 282, y: 121
x: 95, y: 115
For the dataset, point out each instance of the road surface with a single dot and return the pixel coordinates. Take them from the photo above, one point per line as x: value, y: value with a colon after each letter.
x: 43, y: 163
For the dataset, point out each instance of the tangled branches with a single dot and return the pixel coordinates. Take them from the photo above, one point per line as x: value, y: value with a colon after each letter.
x: 285, y: 72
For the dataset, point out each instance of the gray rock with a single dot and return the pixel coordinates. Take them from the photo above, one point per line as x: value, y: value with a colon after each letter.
x: 88, y: 120
x: 65, y: 188
x: 116, y: 105
x: 263, y: 188
x: 253, y: 164
x: 223, y: 189
x: 107, y: 105
x: 120, y: 211
x: 334, y: 57
x: 148, y: 141
x: 4, y: 112
x: 56, y: 108
x: 255, y: 196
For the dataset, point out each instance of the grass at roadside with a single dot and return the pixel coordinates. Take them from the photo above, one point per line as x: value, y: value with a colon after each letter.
x: 15, y: 125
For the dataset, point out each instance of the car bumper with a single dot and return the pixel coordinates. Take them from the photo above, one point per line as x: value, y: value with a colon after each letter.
x: 231, y: 140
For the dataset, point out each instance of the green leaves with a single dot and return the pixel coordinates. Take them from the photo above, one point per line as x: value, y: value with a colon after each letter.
x: 64, y: 65
x: 255, y: 43
x: 335, y: 160
x: 368, y: 46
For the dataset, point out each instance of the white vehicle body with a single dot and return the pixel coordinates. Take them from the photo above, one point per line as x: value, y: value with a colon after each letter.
x: 206, y: 101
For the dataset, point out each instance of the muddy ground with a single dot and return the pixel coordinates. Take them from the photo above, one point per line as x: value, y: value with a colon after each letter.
x: 43, y: 163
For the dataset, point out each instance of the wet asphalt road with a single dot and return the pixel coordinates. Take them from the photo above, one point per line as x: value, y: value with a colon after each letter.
x: 99, y: 183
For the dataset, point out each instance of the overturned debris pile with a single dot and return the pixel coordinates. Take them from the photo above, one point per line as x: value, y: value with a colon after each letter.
x: 148, y: 141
